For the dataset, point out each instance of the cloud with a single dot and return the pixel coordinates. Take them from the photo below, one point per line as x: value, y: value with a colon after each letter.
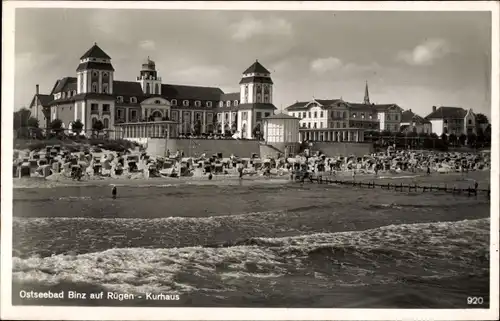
x: 425, y: 53
x: 322, y: 66
x: 250, y: 27
x: 147, y: 45
x: 199, y: 75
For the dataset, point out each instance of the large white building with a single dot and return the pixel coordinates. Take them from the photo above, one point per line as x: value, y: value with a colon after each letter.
x: 452, y: 120
x: 94, y: 95
x: 338, y: 120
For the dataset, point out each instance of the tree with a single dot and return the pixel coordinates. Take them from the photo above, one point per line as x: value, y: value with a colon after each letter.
x: 482, y: 119
x: 56, y: 125
x: 33, y: 122
x: 471, y: 139
x: 98, y: 126
x: 452, y: 139
x: 462, y: 139
x: 444, y: 138
x: 21, y: 118
x: 77, y: 127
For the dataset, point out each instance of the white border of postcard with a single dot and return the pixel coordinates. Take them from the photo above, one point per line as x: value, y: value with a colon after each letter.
x: 107, y: 313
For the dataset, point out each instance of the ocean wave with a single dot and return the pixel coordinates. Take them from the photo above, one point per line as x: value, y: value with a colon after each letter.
x: 390, y: 254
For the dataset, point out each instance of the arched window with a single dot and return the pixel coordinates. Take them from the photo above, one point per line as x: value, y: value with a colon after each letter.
x: 157, y: 89
x: 119, y: 99
x: 221, y: 104
x: 106, y: 123
x: 74, y: 92
x: 259, y: 100
x: 174, y: 102
x: 197, y: 103
x: 209, y: 104
x: 228, y: 103
x: 185, y: 102
x: 266, y: 98
x: 95, y: 74
x: 105, y: 74
x: 133, y: 100
x: 235, y: 103
x: 105, y: 88
x: 266, y: 89
x: 94, y: 87
x: 157, y: 102
x: 63, y: 95
x: 148, y: 89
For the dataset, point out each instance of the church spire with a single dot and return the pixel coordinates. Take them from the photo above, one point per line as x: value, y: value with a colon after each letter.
x: 367, y: 96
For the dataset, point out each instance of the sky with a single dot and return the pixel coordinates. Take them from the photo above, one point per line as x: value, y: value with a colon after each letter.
x: 414, y: 59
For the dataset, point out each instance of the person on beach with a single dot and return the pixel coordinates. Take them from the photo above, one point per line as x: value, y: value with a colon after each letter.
x: 353, y: 175
x: 113, y: 192
x: 428, y: 170
x: 210, y: 176
x: 240, y: 172
x: 476, y: 185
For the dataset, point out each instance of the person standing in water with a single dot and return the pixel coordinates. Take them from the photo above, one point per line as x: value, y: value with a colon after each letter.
x: 113, y: 192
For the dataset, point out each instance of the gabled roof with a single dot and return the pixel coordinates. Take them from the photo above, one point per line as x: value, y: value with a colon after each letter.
x: 408, y: 117
x: 256, y: 67
x: 95, y: 52
x: 447, y: 112
x: 298, y: 105
x: 64, y: 84
x: 281, y: 116
x: 327, y: 102
x: 44, y: 100
x: 230, y: 96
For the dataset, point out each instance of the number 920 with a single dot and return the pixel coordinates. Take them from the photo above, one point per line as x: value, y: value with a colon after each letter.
x: 475, y: 300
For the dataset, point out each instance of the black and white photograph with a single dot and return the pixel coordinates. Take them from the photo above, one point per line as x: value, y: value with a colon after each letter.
x: 255, y: 156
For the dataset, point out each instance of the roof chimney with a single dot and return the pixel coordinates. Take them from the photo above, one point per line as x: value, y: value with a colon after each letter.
x: 434, y: 108
x: 410, y: 109
x: 37, y: 89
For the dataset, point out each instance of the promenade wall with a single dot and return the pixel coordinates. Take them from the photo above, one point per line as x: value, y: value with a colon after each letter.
x: 197, y: 147
x: 343, y: 148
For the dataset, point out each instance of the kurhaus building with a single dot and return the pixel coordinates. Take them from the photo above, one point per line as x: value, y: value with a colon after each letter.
x: 340, y: 121
x: 146, y: 107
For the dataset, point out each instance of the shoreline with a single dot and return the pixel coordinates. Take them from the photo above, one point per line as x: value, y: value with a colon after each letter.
x: 38, y: 182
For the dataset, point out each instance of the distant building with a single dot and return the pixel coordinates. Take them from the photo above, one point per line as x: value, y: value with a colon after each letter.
x: 94, y: 95
x: 338, y: 120
x: 413, y: 123
x: 452, y: 120
x: 282, y: 132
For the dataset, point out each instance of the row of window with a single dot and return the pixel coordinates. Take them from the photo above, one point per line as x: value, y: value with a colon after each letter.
x: 457, y: 121
x: 321, y: 125
x: 106, y: 108
x: 96, y: 74
x: 68, y: 94
x: 396, y: 117
x: 105, y: 122
x: 333, y: 114
x: 185, y: 103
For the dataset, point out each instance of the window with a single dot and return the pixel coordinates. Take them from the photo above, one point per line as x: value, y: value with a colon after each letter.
x: 388, y: 117
x: 133, y: 114
x: 304, y: 115
x: 314, y: 125
x: 470, y: 121
x: 228, y: 103
x: 157, y: 101
x: 259, y: 116
x: 267, y: 114
x: 396, y: 117
x: 259, y: 98
x: 133, y: 100
x: 221, y: 104
x: 235, y: 103
x: 174, y: 102
x: 218, y: 117
x: 105, y: 74
x: 362, y: 115
x: 94, y: 107
x: 94, y: 120
x: 321, y: 125
x: 321, y: 114
x: 63, y: 95
x: 94, y: 87
x: 353, y: 115
x: 119, y: 113
x: 157, y: 89
x: 105, y: 88
x: 309, y: 114
x: 106, y: 108
x: 74, y: 92
x: 266, y: 98
x: 293, y: 114
x: 94, y: 73
x: 119, y: 99
x: 315, y: 114
x: 197, y: 103
x: 209, y: 104
x: 106, y: 123
x: 308, y: 125
x: 148, y: 88
x: 244, y: 115
x: 185, y: 103
x: 226, y: 116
